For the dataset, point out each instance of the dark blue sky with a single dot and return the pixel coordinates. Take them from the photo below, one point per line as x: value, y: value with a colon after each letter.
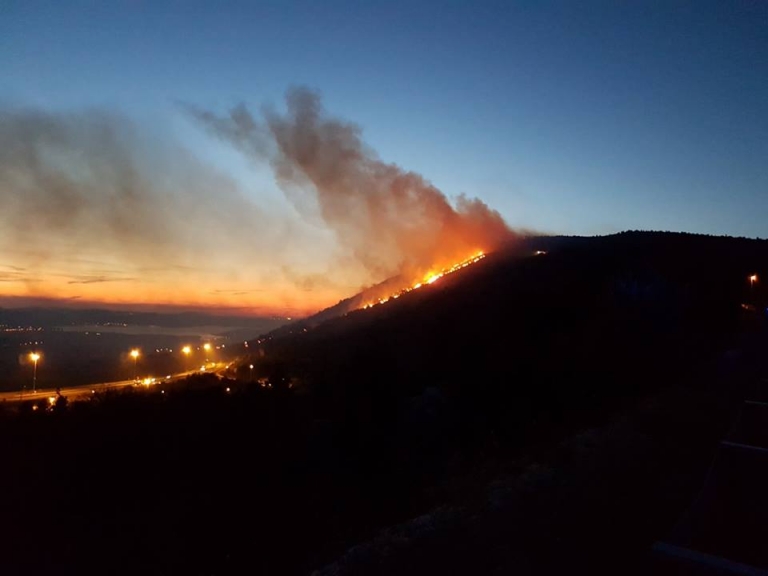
x: 568, y: 117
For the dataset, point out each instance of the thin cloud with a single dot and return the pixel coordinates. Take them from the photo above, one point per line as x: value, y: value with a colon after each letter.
x: 99, y: 280
x: 17, y: 277
x: 238, y: 292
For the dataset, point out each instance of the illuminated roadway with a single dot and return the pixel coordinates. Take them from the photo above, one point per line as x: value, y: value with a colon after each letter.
x: 89, y: 389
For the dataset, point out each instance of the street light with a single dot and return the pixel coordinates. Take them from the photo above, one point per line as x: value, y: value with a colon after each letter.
x: 34, y: 356
x: 251, y: 368
x: 135, y: 356
x: 187, y: 350
x: 207, y: 348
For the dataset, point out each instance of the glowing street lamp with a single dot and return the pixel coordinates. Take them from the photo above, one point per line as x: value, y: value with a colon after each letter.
x: 752, y: 282
x: 135, y: 356
x: 187, y: 350
x: 207, y: 348
x: 251, y: 368
x: 34, y: 356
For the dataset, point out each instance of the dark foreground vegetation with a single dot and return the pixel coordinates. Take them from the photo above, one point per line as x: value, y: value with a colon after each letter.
x: 532, y: 415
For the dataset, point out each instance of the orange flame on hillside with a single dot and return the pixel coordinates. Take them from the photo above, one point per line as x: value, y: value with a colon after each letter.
x: 429, y: 278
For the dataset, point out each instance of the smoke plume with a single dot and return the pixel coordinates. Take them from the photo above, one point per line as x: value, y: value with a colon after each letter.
x: 390, y: 220
x: 96, y: 208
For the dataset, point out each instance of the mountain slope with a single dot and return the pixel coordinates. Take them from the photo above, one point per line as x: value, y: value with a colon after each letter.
x: 616, y: 309
x: 439, y: 396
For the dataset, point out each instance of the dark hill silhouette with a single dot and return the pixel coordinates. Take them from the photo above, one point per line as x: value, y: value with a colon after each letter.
x: 616, y: 314
x: 524, y: 348
x: 529, y: 414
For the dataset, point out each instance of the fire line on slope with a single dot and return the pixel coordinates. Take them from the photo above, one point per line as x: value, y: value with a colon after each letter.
x: 429, y: 278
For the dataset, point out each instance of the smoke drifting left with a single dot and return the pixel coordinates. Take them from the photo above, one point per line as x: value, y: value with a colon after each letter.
x: 94, y: 208
x: 74, y: 182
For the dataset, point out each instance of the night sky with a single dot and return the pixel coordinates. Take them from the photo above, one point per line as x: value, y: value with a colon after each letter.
x: 569, y: 118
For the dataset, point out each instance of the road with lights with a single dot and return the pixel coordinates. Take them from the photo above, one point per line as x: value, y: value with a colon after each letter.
x: 74, y: 392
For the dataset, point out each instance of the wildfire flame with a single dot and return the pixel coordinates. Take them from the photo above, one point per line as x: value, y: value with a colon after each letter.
x: 429, y: 278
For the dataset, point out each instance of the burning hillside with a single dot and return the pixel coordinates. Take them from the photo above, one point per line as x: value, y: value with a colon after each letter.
x: 388, y: 291
x: 429, y: 278
x: 387, y: 222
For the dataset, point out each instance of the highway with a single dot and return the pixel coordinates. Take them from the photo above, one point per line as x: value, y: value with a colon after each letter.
x: 74, y: 392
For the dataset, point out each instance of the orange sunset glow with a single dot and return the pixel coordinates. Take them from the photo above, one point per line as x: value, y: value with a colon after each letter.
x: 194, y: 291
x: 105, y: 213
x: 200, y: 290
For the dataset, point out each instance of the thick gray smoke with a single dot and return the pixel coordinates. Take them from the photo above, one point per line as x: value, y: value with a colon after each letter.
x: 390, y: 219
x: 89, y: 199
x: 89, y: 195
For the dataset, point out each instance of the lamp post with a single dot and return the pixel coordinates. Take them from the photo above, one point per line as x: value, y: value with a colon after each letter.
x: 251, y: 369
x: 34, y: 356
x: 207, y: 348
x: 752, y: 282
x: 187, y: 350
x: 135, y: 356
